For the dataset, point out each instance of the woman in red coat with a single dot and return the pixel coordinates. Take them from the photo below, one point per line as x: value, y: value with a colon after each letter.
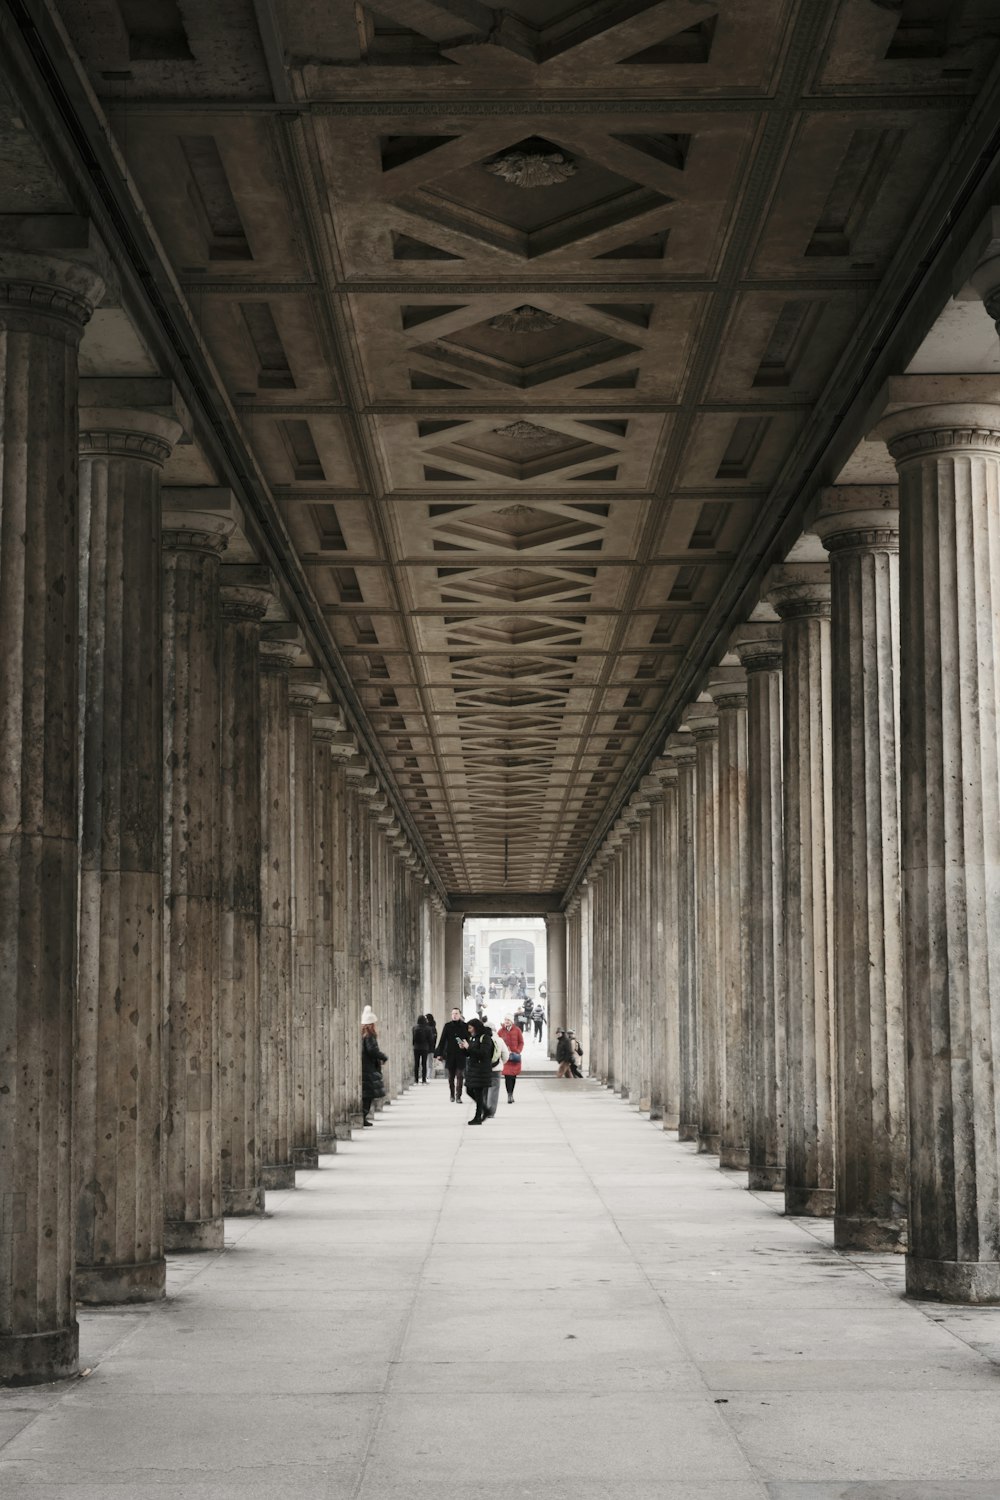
x: 514, y: 1037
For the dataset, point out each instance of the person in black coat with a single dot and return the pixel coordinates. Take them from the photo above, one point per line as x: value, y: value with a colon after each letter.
x: 372, y: 1058
x: 423, y: 1046
x: 449, y: 1048
x: 478, y: 1067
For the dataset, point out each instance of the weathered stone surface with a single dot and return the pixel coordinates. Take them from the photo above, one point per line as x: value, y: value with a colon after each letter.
x: 860, y: 529
x: 801, y: 595
x: 759, y: 649
x: 703, y: 723
x: 681, y: 750
x: 245, y: 595
x: 276, y: 920
x: 44, y: 305
x: 119, y: 1105
x: 192, y: 545
x: 948, y: 459
x: 302, y: 696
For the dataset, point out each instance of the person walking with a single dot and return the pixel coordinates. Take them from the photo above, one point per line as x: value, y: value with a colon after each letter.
x: 513, y: 1036
x: 423, y: 1046
x: 372, y: 1058
x: 478, y: 1050
x: 539, y: 1021
x: 501, y: 1052
x: 576, y: 1052
x: 450, y: 1046
x: 564, y: 1055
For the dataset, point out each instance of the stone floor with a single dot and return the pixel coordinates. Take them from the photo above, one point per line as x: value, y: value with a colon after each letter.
x: 564, y: 1303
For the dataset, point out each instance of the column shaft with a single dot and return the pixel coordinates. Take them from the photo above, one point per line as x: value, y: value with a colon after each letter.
x: 192, y: 880
x: 868, y: 960
x: 730, y: 696
x: 305, y: 1150
x: 277, y: 1165
x: 711, y: 1038
x: 682, y: 752
x: 43, y: 308
x: 118, y: 1124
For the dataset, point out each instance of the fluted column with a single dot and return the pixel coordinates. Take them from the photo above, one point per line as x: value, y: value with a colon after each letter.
x: 44, y: 305
x: 192, y: 545
x: 948, y: 460
x: 555, y: 968
x: 759, y: 649
x: 342, y: 1036
x: 277, y: 1165
x: 703, y: 722
x: 324, y: 730
x: 668, y: 898
x: 118, y: 1113
x: 860, y: 530
x: 728, y: 689
x: 656, y: 949
x: 801, y: 595
x: 454, y: 926
x: 303, y: 694
x: 244, y: 598
x: 681, y: 750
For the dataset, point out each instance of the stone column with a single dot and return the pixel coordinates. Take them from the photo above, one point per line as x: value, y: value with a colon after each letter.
x: 666, y: 772
x: 948, y: 460
x: 758, y: 647
x: 118, y: 1116
x: 801, y: 595
x: 245, y: 595
x: 703, y: 722
x: 728, y: 689
x: 555, y: 968
x: 681, y: 750
x: 192, y: 544
x: 454, y: 927
x: 860, y: 529
x: 44, y: 305
x: 304, y: 690
x: 324, y: 729
x: 656, y: 947
x: 339, y: 884
x: 278, y: 1167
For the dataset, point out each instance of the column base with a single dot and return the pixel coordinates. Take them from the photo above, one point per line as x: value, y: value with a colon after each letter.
x: 644, y: 1106
x: 656, y: 1112
x: 243, y: 1203
x: 327, y: 1145
x: 687, y: 1132
x: 183, y: 1235
x: 868, y: 1234
x: 306, y: 1158
x: 34, y: 1358
x: 278, y: 1177
x: 708, y: 1145
x: 734, y: 1158
x: 670, y: 1122
x: 810, y: 1203
x: 342, y: 1131
x: 114, y: 1286
x: 972, y: 1283
x: 765, y: 1179
x: 355, y: 1124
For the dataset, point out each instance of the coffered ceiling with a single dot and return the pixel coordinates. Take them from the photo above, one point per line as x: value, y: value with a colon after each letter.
x: 524, y: 312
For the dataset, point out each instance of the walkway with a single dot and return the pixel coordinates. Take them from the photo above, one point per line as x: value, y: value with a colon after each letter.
x: 563, y: 1304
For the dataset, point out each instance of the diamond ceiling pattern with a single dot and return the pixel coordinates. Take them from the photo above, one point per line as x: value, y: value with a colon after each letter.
x: 523, y: 311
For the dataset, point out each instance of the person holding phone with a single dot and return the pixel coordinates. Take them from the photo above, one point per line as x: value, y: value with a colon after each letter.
x: 478, y: 1049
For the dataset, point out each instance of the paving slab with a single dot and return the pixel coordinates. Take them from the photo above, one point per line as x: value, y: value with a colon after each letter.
x: 626, y: 1320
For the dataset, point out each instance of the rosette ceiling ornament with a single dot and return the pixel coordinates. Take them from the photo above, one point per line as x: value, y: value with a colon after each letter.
x: 524, y: 432
x: 532, y: 169
x: 525, y: 319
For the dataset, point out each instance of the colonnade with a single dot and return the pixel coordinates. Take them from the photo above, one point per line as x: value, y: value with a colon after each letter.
x: 793, y: 934
x: 202, y: 881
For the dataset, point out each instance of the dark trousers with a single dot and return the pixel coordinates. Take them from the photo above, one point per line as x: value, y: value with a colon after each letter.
x: 366, y: 1105
x: 456, y: 1077
x: 419, y: 1065
x: 538, y: 1031
x: 478, y: 1097
x: 509, y: 1080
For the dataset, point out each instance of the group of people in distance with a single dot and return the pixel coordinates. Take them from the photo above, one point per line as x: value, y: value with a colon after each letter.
x: 475, y: 1057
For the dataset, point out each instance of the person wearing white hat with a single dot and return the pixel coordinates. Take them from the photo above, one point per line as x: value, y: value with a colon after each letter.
x: 372, y: 1058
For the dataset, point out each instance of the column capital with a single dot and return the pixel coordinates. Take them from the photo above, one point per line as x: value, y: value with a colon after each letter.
x: 198, y: 520
x: 680, y: 748
x: 702, y: 719
x: 245, y: 593
x: 117, y: 432
x: 727, y: 687
x: 48, y: 287
x: 665, y: 772
x: 917, y: 432
x: 759, y: 645
x: 305, y: 687
x: 858, y: 518
x: 799, y: 591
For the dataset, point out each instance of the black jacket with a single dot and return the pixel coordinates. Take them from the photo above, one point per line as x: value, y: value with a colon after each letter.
x: 423, y: 1037
x: 372, y: 1058
x: 452, y: 1032
x: 564, y: 1051
x: 479, y: 1061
